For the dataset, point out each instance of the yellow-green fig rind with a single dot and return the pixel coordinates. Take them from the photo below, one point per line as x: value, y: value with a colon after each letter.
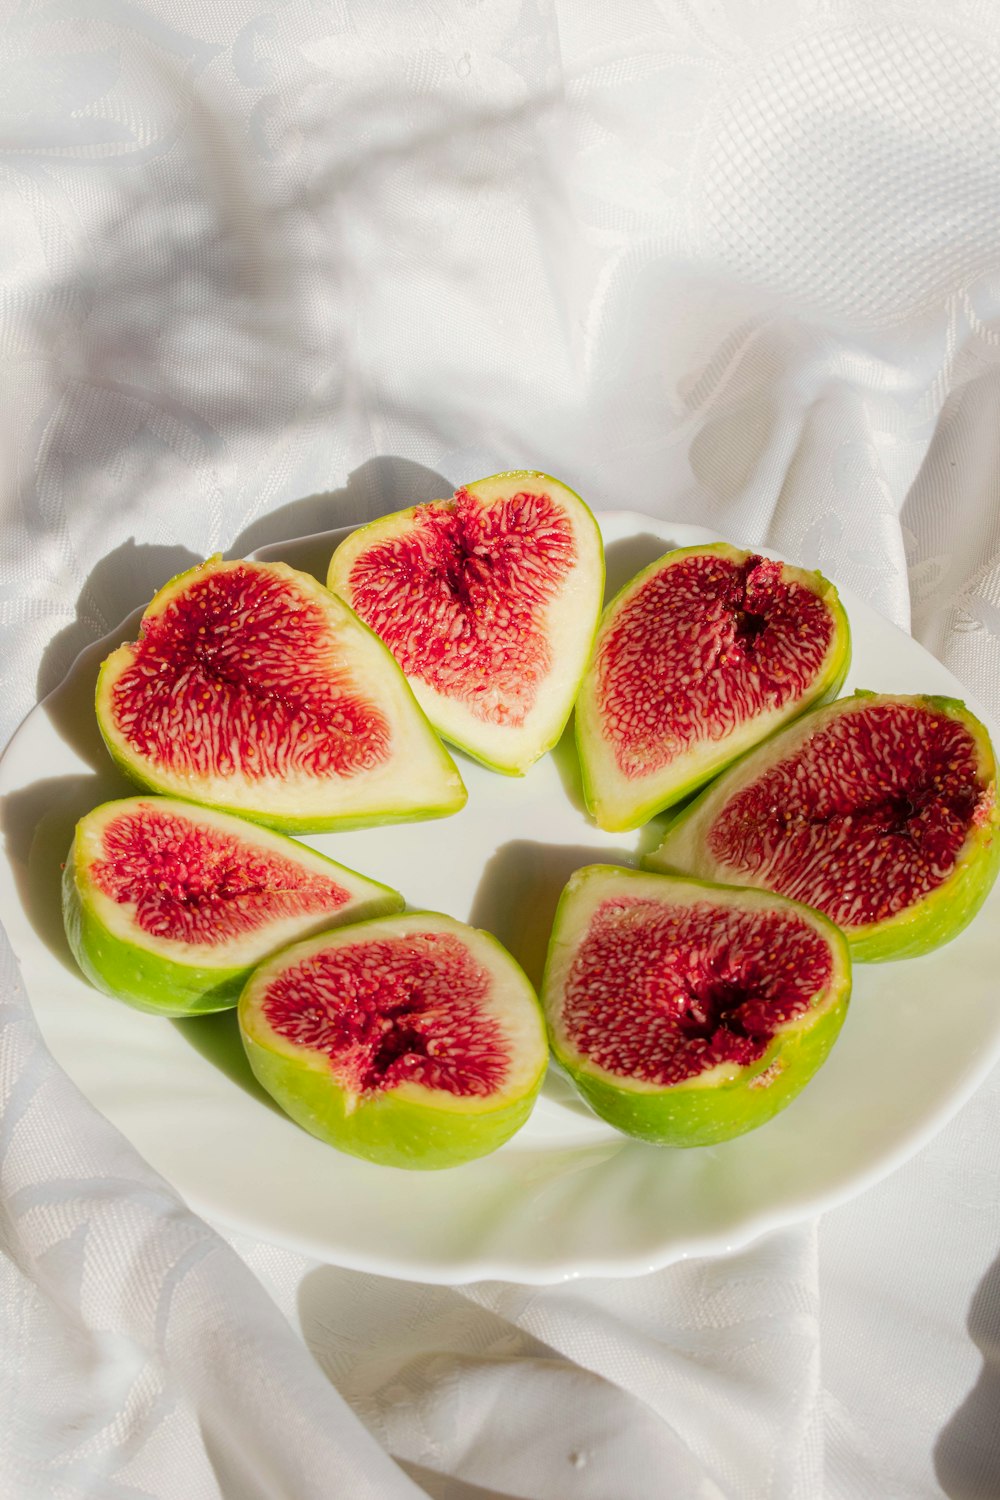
x: 617, y: 805
x: 135, y: 975
x: 689, y: 1116
x: 388, y: 1130
x: 569, y: 622
x: 120, y: 959
x: 731, y: 1099
x: 410, y: 1126
x: 930, y: 923
x: 420, y: 782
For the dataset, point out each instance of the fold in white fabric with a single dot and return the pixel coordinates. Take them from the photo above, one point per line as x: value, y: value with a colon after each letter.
x: 265, y: 272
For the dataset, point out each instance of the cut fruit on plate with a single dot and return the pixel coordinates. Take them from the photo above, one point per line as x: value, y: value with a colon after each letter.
x: 412, y: 1041
x: 567, y: 1196
x: 879, y: 810
x: 253, y: 690
x: 169, y: 906
x: 699, y: 657
x: 489, y: 602
x: 687, y: 1013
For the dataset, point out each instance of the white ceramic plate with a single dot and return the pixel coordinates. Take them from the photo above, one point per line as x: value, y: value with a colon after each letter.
x: 567, y: 1196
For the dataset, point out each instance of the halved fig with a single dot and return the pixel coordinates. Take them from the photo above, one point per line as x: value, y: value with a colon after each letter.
x: 702, y: 655
x: 413, y: 1041
x: 688, y: 1013
x: 879, y: 810
x: 254, y: 690
x: 489, y: 602
x: 169, y: 906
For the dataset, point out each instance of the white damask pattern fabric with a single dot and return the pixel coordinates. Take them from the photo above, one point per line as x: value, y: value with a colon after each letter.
x: 266, y: 271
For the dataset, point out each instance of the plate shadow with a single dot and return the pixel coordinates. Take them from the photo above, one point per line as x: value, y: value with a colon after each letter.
x: 118, y: 588
x: 38, y: 822
x: 567, y: 764
x: 624, y: 559
x: 217, y: 1038
x: 519, y: 891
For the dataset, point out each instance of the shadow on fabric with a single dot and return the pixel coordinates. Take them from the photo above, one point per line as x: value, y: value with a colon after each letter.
x: 967, y: 1453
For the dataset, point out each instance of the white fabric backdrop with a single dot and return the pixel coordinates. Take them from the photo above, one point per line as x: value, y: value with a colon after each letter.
x: 267, y: 271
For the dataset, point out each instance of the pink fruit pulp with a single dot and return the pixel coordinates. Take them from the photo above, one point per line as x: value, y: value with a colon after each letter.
x: 238, y: 675
x: 704, y: 620
x: 456, y: 598
x: 199, y: 885
x: 864, y: 820
x: 661, y: 993
x: 393, y: 1011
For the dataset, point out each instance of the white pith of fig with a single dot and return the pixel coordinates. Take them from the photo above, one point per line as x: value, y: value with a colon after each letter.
x: 878, y: 809
x: 169, y: 906
x: 412, y: 1041
x: 489, y: 602
x: 699, y: 657
x: 687, y: 1013
x: 254, y: 690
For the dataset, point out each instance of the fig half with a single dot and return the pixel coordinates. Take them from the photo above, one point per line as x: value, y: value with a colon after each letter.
x: 700, y: 656
x: 254, y: 690
x: 489, y: 602
x: 687, y: 1013
x: 168, y: 906
x: 878, y: 810
x: 412, y: 1041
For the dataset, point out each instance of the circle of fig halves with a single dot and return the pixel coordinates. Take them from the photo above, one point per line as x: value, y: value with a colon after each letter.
x: 685, y: 1010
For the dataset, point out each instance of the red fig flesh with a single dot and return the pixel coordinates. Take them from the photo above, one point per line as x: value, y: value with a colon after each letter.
x: 702, y: 655
x: 252, y: 689
x: 168, y: 906
x: 687, y: 1013
x: 488, y: 601
x: 878, y: 810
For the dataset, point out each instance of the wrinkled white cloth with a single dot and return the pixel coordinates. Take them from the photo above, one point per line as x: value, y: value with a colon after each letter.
x: 267, y: 271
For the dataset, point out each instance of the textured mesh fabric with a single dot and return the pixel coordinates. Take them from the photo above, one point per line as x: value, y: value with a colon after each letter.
x: 268, y: 270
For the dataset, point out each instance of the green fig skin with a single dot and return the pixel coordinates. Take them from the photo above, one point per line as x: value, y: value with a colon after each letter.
x: 614, y: 816
x: 147, y: 980
x: 408, y: 1127
x: 133, y: 974
x: 732, y: 1099
x: 449, y: 795
x: 935, y: 920
x: 692, y: 1114
x: 288, y: 823
x: 504, y: 760
x: 390, y: 1131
